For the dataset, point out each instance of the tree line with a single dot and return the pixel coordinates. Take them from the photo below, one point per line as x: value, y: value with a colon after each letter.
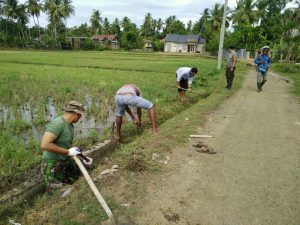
x: 249, y: 25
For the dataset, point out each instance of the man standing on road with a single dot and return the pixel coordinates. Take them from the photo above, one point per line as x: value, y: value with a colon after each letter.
x: 131, y: 95
x: 57, y: 166
x: 230, y: 67
x: 263, y: 62
x: 184, y: 78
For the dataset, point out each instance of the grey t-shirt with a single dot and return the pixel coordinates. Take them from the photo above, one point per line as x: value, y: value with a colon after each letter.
x: 230, y: 59
x: 130, y: 88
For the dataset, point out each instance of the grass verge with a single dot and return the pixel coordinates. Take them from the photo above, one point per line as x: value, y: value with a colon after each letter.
x: 291, y: 71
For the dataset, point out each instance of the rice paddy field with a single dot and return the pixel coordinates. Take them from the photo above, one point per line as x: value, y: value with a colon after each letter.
x: 35, y: 86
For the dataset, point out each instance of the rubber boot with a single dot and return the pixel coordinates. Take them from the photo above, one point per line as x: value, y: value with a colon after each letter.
x: 258, y: 87
x: 262, y: 84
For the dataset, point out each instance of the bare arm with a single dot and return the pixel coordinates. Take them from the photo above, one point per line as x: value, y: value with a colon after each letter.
x: 178, y: 84
x: 128, y: 110
x: 234, y: 61
x: 48, y: 144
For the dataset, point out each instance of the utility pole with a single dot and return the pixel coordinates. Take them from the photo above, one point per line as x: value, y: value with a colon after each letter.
x: 220, y: 53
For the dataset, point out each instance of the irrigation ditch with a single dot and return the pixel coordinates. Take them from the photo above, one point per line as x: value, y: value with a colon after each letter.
x: 20, y: 190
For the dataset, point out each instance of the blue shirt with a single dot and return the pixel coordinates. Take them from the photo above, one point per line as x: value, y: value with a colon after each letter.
x: 263, y: 67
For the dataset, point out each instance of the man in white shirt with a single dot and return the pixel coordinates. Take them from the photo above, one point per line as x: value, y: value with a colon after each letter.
x: 184, y: 77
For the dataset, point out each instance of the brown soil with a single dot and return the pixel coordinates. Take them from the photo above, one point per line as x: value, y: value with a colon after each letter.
x: 254, y: 177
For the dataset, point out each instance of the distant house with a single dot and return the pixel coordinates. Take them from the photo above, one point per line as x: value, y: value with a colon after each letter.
x: 148, y: 45
x: 107, y: 40
x: 184, y: 43
x: 76, y: 42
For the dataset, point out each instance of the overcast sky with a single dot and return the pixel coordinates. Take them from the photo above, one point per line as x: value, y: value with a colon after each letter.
x: 185, y: 10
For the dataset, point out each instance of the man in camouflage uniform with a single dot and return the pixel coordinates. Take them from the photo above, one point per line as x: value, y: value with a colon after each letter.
x: 57, y: 166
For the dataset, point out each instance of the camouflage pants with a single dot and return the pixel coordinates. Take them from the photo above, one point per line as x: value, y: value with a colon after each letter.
x: 57, y: 172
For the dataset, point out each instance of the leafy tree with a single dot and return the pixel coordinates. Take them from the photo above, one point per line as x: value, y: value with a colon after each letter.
x: 10, y: 10
x: 82, y: 30
x: 35, y: 8
x: 290, y: 38
x: 67, y: 10
x: 148, y: 26
x: 216, y: 17
x: 202, y: 22
x: 189, y: 26
x: 115, y: 27
x: 130, y: 38
x: 55, y: 14
x: 173, y: 25
x: 96, y: 21
x: 271, y: 19
x: 106, y: 26
x: 244, y: 13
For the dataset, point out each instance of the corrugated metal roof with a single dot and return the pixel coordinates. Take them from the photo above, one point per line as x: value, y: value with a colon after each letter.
x: 177, y: 38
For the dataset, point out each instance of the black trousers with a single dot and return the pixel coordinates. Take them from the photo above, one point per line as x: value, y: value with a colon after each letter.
x: 229, y: 76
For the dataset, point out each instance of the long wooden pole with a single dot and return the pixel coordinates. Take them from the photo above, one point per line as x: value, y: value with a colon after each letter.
x: 95, y: 190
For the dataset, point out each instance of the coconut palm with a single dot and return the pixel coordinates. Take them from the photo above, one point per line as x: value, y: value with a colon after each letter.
x: 55, y: 14
x: 96, y: 21
x: 67, y: 10
x: 22, y: 17
x: 245, y: 12
x: 106, y: 26
x: 35, y: 7
x: 148, y: 27
x: 216, y: 17
x: 10, y: 10
x: 115, y: 27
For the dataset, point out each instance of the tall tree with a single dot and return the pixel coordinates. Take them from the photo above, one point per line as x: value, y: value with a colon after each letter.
x: 203, y: 21
x: 173, y: 25
x: 125, y: 23
x: 216, y: 18
x: 10, y: 10
x: 35, y: 7
x: 189, y: 26
x: 115, y: 27
x: 106, y: 26
x: 244, y: 13
x: 96, y: 21
x: 67, y: 10
x: 148, y: 26
x: 271, y: 19
x: 23, y: 18
x: 55, y: 14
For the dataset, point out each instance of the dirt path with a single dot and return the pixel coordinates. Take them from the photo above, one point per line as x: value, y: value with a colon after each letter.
x: 254, y: 177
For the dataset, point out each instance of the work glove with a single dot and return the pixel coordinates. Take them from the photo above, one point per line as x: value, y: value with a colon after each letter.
x: 74, y: 151
x: 88, y: 163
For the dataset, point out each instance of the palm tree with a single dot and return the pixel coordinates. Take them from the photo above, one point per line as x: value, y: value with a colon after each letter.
x: 115, y: 27
x: 96, y: 21
x: 245, y: 12
x: 10, y: 10
x: 159, y: 24
x: 106, y: 26
x: 205, y: 16
x: 125, y: 23
x: 67, y: 10
x: 35, y: 8
x: 216, y: 18
x: 23, y: 18
x: 54, y: 10
x: 148, y: 28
